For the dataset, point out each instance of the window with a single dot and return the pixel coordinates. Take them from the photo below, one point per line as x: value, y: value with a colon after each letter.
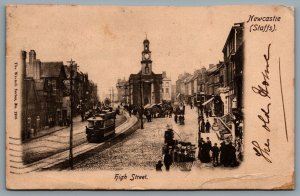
x: 167, y: 90
x: 54, y: 87
x: 99, y: 124
x: 162, y: 90
x: 90, y: 124
x: 146, y: 69
x: 109, y: 122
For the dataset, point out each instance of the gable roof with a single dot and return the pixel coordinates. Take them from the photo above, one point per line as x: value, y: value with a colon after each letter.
x: 51, y: 69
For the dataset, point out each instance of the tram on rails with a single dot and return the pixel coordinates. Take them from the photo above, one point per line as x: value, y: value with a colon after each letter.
x: 101, y: 126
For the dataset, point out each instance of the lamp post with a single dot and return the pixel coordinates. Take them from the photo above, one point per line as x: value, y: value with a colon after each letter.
x: 141, y: 97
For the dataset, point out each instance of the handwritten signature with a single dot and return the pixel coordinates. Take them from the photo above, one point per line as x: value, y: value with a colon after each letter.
x: 263, y: 91
x: 264, y: 152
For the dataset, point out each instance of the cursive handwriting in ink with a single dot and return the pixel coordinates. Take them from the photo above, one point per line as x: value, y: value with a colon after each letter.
x: 265, y: 120
x: 263, y: 90
x: 264, y: 152
x: 264, y: 117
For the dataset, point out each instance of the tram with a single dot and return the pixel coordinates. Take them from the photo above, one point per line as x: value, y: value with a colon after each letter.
x: 101, y: 126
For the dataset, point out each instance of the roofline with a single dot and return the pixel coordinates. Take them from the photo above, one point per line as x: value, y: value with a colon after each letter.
x: 234, y: 27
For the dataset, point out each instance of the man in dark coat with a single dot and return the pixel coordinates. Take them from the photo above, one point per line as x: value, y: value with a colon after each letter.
x: 222, y: 152
x: 215, y: 154
x: 202, y: 126
x: 167, y: 161
x: 207, y: 126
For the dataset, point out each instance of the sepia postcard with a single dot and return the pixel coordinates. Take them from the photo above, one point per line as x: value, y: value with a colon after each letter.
x: 149, y: 98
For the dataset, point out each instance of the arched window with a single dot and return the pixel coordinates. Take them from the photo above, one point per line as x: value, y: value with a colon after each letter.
x: 146, y: 69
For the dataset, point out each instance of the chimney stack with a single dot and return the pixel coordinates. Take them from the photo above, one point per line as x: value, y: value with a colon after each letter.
x: 32, y: 57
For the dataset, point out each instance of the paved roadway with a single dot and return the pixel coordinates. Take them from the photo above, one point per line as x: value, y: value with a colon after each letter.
x: 143, y: 148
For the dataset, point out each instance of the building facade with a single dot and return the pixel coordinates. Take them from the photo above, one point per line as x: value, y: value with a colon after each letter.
x: 122, y: 88
x: 233, y: 50
x: 145, y: 87
x: 180, y: 86
x: 166, y: 87
x: 46, y: 93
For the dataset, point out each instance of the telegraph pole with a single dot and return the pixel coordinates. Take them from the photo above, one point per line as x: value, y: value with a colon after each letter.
x: 71, y: 114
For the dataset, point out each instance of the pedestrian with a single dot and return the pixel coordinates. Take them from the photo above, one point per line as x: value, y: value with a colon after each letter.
x: 129, y: 112
x: 200, y: 152
x: 199, y: 120
x: 170, y: 112
x: 215, y: 154
x: 226, y: 155
x: 167, y: 161
x: 205, y: 149
x: 208, y: 143
x: 201, y: 109
x: 207, y: 126
x: 222, y: 152
x: 232, y: 156
x: 158, y: 166
x: 148, y: 115
x: 202, y: 126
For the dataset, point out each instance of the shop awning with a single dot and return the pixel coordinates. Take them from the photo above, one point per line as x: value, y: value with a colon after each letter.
x: 178, y: 95
x: 147, y: 106
x: 208, y: 101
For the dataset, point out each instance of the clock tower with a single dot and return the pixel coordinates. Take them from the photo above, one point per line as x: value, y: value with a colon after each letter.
x: 146, y: 58
x: 145, y: 86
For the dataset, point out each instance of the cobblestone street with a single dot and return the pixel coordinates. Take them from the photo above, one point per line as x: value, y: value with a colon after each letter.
x: 143, y: 148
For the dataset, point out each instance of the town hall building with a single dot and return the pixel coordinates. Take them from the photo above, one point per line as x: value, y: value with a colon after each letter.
x: 145, y: 86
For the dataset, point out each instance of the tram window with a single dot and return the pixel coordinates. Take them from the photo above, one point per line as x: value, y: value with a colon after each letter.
x: 109, y: 122
x: 91, y: 124
x: 99, y: 124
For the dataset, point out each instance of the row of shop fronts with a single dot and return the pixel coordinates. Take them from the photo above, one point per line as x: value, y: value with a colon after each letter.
x: 218, y: 89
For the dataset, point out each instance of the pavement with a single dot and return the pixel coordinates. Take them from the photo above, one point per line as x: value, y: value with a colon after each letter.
x: 51, y: 130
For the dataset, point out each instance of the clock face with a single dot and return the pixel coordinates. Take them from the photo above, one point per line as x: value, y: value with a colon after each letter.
x: 147, y: 56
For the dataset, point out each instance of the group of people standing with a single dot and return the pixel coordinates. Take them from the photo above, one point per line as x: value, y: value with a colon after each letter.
x: 179, y: 114
x: 224, y: 155
x: 204, y: 127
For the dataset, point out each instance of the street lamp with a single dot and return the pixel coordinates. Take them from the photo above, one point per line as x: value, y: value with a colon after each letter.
x: 141, y: 97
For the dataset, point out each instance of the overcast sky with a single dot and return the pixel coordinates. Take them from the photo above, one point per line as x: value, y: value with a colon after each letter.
x: 107, y: 42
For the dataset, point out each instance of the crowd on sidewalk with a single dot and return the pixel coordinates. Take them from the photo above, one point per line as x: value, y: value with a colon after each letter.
x: 225, y: 155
